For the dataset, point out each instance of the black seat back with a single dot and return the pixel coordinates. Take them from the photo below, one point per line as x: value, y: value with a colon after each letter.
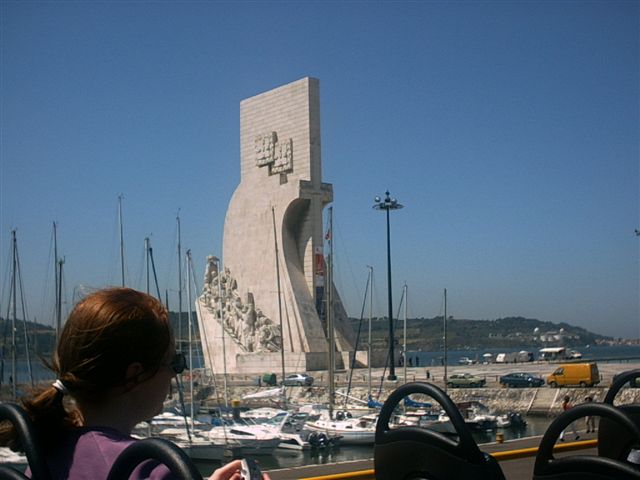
x: 612, y: 441
x: 581, y: 467
x: 8, y: 473
x: 416, y: 453
x: 26, y: 434
x: 157, y: 449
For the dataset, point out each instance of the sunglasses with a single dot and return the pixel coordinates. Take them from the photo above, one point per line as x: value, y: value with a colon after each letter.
x: 178, y: 363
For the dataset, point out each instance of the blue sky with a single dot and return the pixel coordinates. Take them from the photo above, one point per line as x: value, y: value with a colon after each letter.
x: 509, y: 130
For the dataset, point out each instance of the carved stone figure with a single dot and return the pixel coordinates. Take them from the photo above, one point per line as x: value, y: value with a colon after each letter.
x: 211, y: 269
x: 240, y: 320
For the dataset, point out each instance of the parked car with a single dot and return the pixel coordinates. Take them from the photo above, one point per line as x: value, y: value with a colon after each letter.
x: 521, y: 379
x: 301, y: 379
x: 466, y: 361
x: 465, y: 380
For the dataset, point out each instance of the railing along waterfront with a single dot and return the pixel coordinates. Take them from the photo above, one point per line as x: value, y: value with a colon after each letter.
x: 369, y: 474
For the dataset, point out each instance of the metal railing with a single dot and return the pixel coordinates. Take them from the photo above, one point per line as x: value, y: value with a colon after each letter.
x: 369, y: 474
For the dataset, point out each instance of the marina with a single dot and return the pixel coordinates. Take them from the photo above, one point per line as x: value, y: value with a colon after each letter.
x: 489, y: 151
x: 350, y: 458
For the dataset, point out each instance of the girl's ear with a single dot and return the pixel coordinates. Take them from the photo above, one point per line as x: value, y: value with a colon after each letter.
x: 134, y: 370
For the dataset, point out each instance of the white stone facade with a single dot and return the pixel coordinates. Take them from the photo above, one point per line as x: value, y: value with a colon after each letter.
x: 281, y: 178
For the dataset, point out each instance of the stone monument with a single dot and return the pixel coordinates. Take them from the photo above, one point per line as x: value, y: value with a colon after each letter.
x: 277, y: 205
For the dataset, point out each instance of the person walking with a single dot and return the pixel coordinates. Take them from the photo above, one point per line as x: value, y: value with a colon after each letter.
x: 566, y: 405
x: 590, y: 420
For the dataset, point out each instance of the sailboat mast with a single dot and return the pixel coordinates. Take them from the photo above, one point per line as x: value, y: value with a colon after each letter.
x: 224, y: 348
x: 445, y: 340
x: 190, y: 339
x: 179, y: 280
x: 370, y: 317
x: 330, y: 331
x: 14, y: 358
x: 55, y: 275
x: 152, y: 264
x: 121, y: 238
x: 146, y: 252
x: 275, y: 240
x: 59, y: 298
x: 404, y: 348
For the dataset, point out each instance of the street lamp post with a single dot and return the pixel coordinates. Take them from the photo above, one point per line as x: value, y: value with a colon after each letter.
x: 387, y: 205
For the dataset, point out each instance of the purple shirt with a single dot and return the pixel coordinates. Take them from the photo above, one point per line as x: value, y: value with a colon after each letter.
x: 89, y: 453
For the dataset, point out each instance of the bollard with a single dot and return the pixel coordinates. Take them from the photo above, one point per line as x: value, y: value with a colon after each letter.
x: 499, y: 437
x: 235, y: 405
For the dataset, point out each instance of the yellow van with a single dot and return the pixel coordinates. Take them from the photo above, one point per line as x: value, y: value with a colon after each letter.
x: 583, y: 374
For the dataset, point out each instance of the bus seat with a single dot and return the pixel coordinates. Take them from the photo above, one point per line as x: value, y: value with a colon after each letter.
x: 584, y: 467
x: 158, y: 449
x: 612, y: 441
x: 416, y: 453
x: 26, y: 434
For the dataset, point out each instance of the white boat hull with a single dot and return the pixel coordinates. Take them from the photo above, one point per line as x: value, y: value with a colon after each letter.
x: 350, y: 432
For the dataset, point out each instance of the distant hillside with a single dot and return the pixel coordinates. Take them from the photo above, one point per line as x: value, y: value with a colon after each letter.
x: 516, y: 332
x: 422, y: 333
x: 41, y: 338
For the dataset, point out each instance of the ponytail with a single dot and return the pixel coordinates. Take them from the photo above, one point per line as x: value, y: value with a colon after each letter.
x: 105, y: 333
x: 51, y: 412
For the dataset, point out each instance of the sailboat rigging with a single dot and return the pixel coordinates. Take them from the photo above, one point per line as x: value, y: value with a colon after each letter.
x: 57, y: 265
x: 275, y: 239
x: 369, y: 351
x: 179, y: 279
x: 444, y: 340
x: 404, y: 344
x: 16, y: 282
x: 151, y: 266
x: 120, y: 197
x: 190, y: 326
x: 222, y: 329
x: 395, y: 326
x: 353, y: 360
x: 329, y: 316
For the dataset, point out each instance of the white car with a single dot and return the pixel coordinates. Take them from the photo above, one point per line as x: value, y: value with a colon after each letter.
x: 466, y: 361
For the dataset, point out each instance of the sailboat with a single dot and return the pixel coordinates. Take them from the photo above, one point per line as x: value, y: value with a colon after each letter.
x: 7, y: 456
x: 191, y: 435
x: 204, y: 440
x: 354, y: 431
x: 193, y: 439
x: 16, y: 283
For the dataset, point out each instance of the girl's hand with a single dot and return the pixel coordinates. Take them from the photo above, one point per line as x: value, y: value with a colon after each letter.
x: 231, y: 471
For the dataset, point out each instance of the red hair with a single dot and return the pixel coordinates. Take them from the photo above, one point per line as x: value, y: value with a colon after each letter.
x: 106, y: 332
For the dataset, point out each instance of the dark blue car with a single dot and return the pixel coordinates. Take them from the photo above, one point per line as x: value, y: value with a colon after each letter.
x: 521, y: 379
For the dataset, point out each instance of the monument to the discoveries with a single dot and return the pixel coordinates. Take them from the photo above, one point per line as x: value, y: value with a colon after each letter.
x: 280, y: 194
